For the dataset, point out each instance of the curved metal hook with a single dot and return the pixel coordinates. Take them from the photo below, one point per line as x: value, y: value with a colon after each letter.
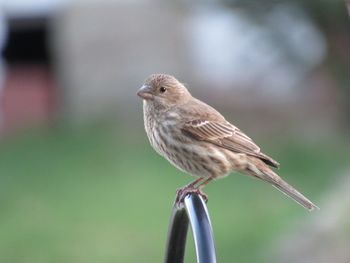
x: 194, y: 211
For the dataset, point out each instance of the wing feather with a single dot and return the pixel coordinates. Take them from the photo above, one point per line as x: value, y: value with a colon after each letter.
x: 226, y: 135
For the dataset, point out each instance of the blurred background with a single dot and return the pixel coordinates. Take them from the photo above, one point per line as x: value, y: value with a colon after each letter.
x: 79, y: 181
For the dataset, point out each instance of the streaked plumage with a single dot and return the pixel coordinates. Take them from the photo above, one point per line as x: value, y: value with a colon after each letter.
x: 198, y: 140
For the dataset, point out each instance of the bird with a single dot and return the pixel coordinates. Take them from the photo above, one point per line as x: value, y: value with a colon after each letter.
x: 198, y: 140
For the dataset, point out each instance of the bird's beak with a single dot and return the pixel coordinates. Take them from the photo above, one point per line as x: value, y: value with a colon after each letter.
x: 145, y: 92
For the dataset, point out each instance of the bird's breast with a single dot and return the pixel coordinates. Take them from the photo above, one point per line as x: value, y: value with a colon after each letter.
x: 187, y: 154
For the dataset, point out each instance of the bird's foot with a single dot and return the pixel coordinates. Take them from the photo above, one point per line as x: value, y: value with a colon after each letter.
x: 181, y: 193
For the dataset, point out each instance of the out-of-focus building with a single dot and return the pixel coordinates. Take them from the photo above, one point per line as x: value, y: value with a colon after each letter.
x: 98, y: 53
x: 105, y: 50
x: 28, y: 91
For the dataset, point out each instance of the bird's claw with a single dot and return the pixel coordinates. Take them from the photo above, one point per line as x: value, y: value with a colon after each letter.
x: 183, y: 192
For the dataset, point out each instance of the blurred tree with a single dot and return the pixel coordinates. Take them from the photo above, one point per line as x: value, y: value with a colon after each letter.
x: 332, y: 20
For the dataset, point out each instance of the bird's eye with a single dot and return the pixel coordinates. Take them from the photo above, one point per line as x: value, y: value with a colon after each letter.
x: 162, y: 89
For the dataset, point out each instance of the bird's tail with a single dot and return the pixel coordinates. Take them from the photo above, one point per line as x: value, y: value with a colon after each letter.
x: 289, y: 190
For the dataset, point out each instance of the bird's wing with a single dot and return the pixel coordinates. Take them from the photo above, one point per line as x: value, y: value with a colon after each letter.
x: 226, y: 135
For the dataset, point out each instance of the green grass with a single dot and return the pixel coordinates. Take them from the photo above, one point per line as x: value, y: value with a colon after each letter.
x: 96, y: 195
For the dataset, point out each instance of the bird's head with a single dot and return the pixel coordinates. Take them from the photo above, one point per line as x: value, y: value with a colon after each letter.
x: 163, y: 91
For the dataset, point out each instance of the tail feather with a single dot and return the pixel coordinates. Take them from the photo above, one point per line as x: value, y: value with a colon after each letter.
x: 260, y: 170
x: 294, y: 194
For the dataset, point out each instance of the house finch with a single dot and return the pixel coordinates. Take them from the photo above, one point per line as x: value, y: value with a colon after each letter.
x: 197, y: 139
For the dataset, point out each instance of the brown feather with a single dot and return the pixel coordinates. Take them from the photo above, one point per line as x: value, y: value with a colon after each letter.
x: 226, y: 135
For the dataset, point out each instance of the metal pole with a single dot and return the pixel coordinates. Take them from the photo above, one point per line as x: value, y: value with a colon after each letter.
x: 193, y: 210
x: 177, y: 235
